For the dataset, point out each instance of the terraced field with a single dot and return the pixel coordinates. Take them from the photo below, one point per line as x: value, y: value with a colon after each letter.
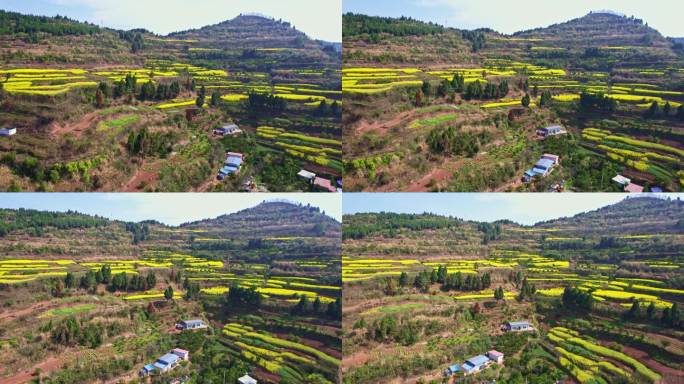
x: 504, y: 88
x: 64, y: 109
x: 130, y: 283
x: 442, y: 289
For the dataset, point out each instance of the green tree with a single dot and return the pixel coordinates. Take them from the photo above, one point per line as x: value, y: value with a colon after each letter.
x: 70, y: 280
x: 499, y: 293
x: 215, y: 99
x: 426, y: 88
x: 317, y: 305
x: 525, y: 101
x: 201, y: 97
x: 653, y: 109
x: 168, y: 293
x: 545, y: 99
x: 633, y: 311
x: 651, y: 311
x: 403, y: 279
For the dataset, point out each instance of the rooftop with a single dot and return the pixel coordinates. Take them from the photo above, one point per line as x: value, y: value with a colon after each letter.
x: 167, y: 359
x: 519, y: 323
x: 478, y: 360
x: 634, y: 188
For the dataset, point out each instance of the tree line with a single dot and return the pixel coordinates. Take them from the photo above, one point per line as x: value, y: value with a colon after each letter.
x: 14, y: 220
x: 356, y: 24
x: 388, y: 223
x: 13, y: 22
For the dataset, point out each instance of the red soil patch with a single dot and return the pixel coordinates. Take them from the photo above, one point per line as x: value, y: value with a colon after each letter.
x: 49, y: 365
x: 10, y: 315
x: 435, y: 176
x: 270, y: 377
x: 355, y: 360
x: 142, y: 177
x: 670, y: 375
x: 75, y: 128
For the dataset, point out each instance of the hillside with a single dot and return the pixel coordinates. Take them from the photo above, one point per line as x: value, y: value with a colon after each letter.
x: 274, y: 218
x: 427, y: 112
x: 109, y: 279
x: 442, y: 288
x: 98, y: 109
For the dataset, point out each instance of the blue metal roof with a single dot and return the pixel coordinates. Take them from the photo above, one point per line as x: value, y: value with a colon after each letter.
x: 455, y: 368
x: 228, y: 169
x: 234, y: 160
x: 149, y: 367
x: 194, y: 321
x: 478, y: 360
x: 169, y: 358
x: 160, y: 366
x: 519, y: 323
x: 544, y: 163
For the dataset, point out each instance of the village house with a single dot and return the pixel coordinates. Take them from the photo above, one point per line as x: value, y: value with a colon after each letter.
x: 232, y: 164
x: 191, y: 324
x: 8, y: 131
x: 475, y: 364
x: 496, y: 356
x: 634, y: 188
x: 166, y: 363
x: 543, y: 167
x: 621, y: 180
x: 228, y: 130
x: 306, y: 175
x: 518, y: 326
x: 452, y: 370
x: 552, y: 130
x: 325, y: 185
x: 246, y: 379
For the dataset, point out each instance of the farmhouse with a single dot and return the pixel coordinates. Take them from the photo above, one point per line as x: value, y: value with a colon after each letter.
x: 633, y: 188
x: 182, y: 353
x: 475, y: 364
x: 542, y: 168
x: 452, y: 370
x: 166, y: 362
x: 232, y: 164
x: 518, y: 326
x: 552, y: 130
x: 246, y: 379
x: 8, y: 131
x: 325, y: 185
x: 621, y: 180
x: 306, y: 175
x: 495, y: 356
x: 191, y: 324
x: 228, y: 130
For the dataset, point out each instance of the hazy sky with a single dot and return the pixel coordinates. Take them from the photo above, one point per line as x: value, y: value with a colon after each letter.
x: 523, y: 208
x: 320, y: 19
x: 168, y: 208
x: 508, y: 16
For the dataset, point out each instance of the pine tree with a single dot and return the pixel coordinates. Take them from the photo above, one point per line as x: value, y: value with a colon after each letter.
x: 168, y: 293
x: 70, y: 280
x: 403, y: 279
x: 525, y: 101
x: 317, y: 305
x: 651, y: 311
x: 215, y: 99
